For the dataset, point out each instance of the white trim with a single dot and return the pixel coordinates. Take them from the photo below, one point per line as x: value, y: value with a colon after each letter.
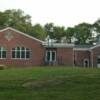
x: 52, y: 45
x: 81, y: 49
x: 22, y: 33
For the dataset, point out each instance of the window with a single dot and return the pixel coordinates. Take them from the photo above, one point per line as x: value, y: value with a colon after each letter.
x: 53, y: 56
x: 20, y: 53
x: 23, y: 52
x: 50, y: 55
x: 27, y: 53
x: 2, y: 53
x: 98, y: 60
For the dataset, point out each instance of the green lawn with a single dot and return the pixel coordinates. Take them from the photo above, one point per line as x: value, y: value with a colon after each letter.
x: 50, y: 83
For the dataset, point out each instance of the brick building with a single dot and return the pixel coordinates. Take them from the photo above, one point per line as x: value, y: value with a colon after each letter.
x: 20, y: 49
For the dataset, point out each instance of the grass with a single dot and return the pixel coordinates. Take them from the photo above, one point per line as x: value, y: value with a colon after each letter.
x: 50, y: 83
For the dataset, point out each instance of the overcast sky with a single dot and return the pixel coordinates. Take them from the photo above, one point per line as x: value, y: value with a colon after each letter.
x: 60, y: 12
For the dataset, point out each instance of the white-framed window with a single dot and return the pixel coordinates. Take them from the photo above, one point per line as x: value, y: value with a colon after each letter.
x: 21, y: 53
x: 2, y: 53
x: 50, y: 55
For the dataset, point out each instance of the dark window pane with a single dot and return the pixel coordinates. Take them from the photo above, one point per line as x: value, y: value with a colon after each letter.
x: 3, y: 54
x: 98, y: 60
x: 27, y: 54
x: 48, y: 56
x: 22, y: 54
x: 0, y: 55
x: 23, y: 48
x: 18, y: 54
x: 53, y: 56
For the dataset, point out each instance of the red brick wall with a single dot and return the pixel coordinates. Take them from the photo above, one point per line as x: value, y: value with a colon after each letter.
x: 94, y: 54
x: 37, y: 54
x: 65, y: 56
x: 79, y: 57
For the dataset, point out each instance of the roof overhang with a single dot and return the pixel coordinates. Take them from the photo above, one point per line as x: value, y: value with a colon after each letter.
x: 81, y: 49
x: 57, y: 45
x: 98, y: 45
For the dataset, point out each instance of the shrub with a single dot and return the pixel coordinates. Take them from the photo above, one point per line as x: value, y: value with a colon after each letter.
x: 2, y: 67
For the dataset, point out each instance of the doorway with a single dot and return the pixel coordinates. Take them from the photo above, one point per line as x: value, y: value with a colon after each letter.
x: 86, y: 62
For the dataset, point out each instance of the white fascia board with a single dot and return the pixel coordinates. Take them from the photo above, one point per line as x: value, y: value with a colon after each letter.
x: 81, y: 49
x: 57, y: 45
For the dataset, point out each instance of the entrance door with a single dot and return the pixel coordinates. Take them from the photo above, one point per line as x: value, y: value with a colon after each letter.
x: 86, y: 62
x: 50, y: 56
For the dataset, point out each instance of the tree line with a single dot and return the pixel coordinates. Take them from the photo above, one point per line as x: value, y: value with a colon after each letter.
x: 83, y: 33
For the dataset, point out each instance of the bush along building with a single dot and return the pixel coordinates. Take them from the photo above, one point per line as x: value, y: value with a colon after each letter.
x: 20, y: 49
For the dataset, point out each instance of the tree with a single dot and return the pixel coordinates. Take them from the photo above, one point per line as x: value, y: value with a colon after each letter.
x: 59, y: 32
x: 96, y: 26
x: 38, y: 31
x: 69, y: 32
x: 21, y: 21
x: 82, y: 33
x: 18, y: 20
x: 55, y: 32
x: 49, y: 29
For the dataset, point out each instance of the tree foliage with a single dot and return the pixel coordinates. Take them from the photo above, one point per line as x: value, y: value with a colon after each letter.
x: 58, y: 32
x: 39, y: 31
x: 21, y: 21
x: 69, y: 32
x: 49, y: 29
x: 18, y: 20
x: 82, y: 33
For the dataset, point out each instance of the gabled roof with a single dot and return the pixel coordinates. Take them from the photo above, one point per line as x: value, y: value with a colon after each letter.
x: 22, y: 33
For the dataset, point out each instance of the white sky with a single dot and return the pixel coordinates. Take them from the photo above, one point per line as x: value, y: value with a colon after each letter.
x: 60, y: 12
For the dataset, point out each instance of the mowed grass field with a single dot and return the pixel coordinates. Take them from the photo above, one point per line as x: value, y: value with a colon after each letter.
x: 50, y: 83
